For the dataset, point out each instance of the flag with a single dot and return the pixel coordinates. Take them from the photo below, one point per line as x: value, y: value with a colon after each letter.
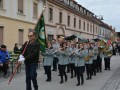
x: 41, y: 36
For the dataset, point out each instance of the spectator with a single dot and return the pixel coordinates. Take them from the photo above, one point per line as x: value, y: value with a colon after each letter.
x: 4, y: 57
x: 16, y: 50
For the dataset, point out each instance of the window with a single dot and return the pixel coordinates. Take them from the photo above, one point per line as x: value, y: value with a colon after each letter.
x: 96, y: 29
x: 74, y: 22
x: 1, y: 4
x: 68, y: 20
x: 50, y: 14
x: 79, y: 24
x: 1, y: 35
x: 88, y: 27
x: 21, y: 36
x: 20, y: 6
x: 35, y: 10
x: 83, y: 25
x: 93, y: 28
x: 60, y: 17
x: 50, y: 37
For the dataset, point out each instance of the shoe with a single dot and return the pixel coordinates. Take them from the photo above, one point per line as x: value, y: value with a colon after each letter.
x: 90, y: 77
x: 87, y: 78
x: 48, y: 80
x: 61, y: 81
x: 105, y: 69
x: 78, y: 84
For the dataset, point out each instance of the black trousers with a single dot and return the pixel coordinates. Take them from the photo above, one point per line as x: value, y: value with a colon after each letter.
x: 4, y: 68
x: 48, y: 72
x: 62, y: 71
x: 89, y: 70
x: 79, y: 73
x: 99, y: 64
x: 68, y: 68
x: 55, y: 61
x: 72, y: 68
x: 94, y: 67
x: 107, y: 63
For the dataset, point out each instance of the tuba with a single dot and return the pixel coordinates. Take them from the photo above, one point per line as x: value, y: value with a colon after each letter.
x: 102, y: 45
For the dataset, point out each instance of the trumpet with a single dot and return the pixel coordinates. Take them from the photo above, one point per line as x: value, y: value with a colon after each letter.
x: 74, y: 51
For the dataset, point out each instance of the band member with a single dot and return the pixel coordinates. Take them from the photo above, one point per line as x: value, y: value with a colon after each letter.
x: 31, y: 56
x: 99, y: 60
x: 72, y: 59
x: 107, y: 58
x: 95, y: 48
x: 48, y: 61
x: 80, y: 64
x: 55, y: 46
x: 63, y: 61
x: 88, y: 64
x: 69, y: 50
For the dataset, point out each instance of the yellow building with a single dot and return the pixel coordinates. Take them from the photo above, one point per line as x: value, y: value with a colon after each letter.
x: 17, y: 18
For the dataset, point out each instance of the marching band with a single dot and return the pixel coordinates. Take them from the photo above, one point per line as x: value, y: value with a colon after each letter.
x: 78, y: 58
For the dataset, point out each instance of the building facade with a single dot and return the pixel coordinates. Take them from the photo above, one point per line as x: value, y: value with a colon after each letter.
x: 17, y: 18
x: 62, y: 18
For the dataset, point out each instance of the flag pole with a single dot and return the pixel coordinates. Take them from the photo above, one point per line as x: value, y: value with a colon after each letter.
x: 18, y: 64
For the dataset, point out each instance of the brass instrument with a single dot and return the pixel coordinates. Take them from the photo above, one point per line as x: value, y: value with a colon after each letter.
x: 102, y: 45
x: 88, y: 57
x: 107, y: 51
x: 105, y: 48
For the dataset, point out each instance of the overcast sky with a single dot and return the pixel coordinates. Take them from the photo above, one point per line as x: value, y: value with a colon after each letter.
x: 110, y: 9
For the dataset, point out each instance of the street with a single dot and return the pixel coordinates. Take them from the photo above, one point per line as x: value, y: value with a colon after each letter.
x: 107, y: 80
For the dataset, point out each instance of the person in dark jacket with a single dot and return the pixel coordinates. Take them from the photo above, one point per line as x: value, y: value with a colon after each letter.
x: 16, y: 49
x: 31, y: 56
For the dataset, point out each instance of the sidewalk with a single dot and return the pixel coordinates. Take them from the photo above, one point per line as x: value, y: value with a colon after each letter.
x: 102, y: 81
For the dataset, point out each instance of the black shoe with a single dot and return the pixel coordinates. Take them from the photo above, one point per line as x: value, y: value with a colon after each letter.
x: 48, y: 80
x: 87, y: 78
x: 61, y: 81
x: 78, y: 84
x: 36, y: 89
x: 66, y: 78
